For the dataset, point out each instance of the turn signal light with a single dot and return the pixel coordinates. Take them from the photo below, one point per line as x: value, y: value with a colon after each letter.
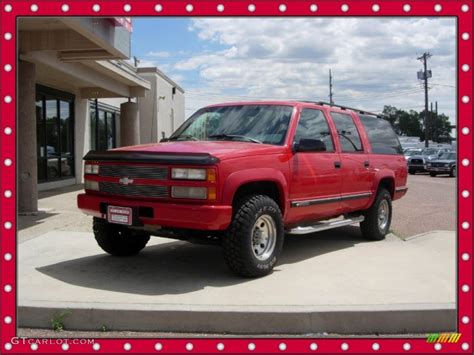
x: 211, y: 193
x: 211, y: 175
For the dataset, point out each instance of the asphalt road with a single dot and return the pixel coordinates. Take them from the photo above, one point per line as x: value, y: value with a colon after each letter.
x: 430, y: 204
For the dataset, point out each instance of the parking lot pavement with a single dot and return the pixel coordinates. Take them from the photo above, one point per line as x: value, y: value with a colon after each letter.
x: 333, y: 281
x: 430, y: 204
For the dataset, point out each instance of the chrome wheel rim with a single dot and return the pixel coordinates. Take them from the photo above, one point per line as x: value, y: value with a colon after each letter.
x: 383, y: 214
x: 264, y: 235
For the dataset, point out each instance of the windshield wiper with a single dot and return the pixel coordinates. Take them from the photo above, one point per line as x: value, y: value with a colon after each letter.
x: 222, y: 135
x: 183, y: 138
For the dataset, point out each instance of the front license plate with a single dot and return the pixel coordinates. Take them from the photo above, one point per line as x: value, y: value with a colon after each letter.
x: 119, y: 215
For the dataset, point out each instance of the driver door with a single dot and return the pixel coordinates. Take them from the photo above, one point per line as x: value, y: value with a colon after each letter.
x: 315, y: 178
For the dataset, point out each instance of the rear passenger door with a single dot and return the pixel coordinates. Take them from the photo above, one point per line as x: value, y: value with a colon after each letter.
x: 355, y: 165
x: 315, y: 184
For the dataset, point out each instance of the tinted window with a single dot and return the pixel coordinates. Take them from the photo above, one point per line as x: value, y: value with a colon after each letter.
x: 347, y: 131
x: 313, y: 125
x: 381, y: 136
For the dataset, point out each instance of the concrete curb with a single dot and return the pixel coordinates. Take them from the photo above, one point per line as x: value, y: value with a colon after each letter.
x: 363, y: 319
x: 426, y: 234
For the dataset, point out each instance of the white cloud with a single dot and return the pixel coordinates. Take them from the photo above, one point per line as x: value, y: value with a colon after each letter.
x: 373, y: 60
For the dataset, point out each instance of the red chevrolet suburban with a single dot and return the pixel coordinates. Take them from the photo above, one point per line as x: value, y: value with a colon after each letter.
x: 245, y: 174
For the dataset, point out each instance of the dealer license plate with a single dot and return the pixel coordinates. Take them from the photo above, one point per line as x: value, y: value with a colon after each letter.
x: 119, y: 215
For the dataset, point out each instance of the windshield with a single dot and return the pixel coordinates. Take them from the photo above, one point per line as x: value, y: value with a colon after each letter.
x: 429, y: 151
x: 249, y: 123
x: 448, y: 156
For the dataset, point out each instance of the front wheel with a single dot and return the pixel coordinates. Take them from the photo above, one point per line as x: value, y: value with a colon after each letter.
x: 378, y: 217
x: 453, y: 172
x: 432, y: 174
x: 254, y: 240
x: 118, y: 240
x: 412, y: 171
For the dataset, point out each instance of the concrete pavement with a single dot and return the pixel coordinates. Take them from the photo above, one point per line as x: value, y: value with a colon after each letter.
x: 333, y: 281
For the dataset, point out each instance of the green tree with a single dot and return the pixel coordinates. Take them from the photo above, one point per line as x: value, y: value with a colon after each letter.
x: 411, y: 123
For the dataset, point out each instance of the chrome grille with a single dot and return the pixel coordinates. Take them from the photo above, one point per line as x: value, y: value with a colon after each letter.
x: 134, y: 190
x: 134, y: 172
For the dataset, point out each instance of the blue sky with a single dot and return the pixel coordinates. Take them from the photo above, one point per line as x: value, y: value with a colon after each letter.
x: 373, y: 60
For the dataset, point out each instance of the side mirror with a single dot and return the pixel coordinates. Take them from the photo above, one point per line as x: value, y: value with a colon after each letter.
x: 310, y: 145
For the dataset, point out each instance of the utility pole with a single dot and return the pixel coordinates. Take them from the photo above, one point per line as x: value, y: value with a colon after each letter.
x: 424, y: 76
x: 331, y: 101
x: 432, y: 125
x: 436, y: 119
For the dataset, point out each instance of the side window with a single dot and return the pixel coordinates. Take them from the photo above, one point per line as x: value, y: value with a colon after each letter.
x: 382, y: 138
x: 347, y: 131
x: 313, y: 125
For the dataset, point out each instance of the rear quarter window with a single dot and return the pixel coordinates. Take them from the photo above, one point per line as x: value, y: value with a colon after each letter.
x: 382, y: 138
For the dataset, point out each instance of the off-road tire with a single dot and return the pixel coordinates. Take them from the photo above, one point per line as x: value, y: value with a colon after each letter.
x: 118, y: 240
x: 370, y: 226
x: 412, y: 171
x: 237, y: 241
x: 433, y: 174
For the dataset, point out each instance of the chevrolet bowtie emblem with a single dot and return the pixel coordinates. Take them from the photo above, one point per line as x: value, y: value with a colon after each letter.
x: 125, y: 181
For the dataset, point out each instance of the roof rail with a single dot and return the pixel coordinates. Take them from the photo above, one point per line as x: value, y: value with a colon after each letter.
x: 346, y: 108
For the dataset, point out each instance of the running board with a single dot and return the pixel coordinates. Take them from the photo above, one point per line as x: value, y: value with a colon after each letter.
x: 321, y: 226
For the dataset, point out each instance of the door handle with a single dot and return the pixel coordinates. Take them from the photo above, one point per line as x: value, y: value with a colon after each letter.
x: 337, y: 164
x: 366, y: 163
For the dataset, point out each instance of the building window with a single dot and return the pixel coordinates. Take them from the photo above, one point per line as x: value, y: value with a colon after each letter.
x: 54, y: 134
x: 103, y: 123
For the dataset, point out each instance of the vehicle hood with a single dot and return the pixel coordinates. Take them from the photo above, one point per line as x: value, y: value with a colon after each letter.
x: 219, y: 149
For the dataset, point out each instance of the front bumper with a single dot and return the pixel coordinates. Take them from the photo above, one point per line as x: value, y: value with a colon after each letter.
x: 174, y: 215
x: 417, y: 167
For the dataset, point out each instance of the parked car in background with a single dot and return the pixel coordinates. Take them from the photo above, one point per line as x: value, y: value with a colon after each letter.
x: 445, y: 164
x: 417, y: 162
x: 408, y: 152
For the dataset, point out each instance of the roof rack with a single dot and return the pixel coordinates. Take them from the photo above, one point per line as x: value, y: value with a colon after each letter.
x: 346, y: 108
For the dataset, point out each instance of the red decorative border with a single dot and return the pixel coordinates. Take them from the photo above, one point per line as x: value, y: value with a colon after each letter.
x: 11, y: 9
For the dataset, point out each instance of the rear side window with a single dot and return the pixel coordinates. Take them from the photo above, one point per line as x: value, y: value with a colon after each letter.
x: 347, y: 131
x: 382, y: 138
x: 313, y: 125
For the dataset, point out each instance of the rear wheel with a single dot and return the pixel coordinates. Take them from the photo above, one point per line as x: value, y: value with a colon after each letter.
x: 118, y: 240
x: 378, y: 217
x: 432, y: 174
x: 254, y: 240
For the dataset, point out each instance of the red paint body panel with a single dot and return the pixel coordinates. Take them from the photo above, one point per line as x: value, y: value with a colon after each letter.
x: 205, y: 217
x: 299, y: 178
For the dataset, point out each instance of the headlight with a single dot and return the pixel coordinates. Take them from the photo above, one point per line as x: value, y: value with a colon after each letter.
x: 199, y: 193
x: 428, y: 164
x: 91, y: 169
x: 91, y: 185
x: 188, y: 174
